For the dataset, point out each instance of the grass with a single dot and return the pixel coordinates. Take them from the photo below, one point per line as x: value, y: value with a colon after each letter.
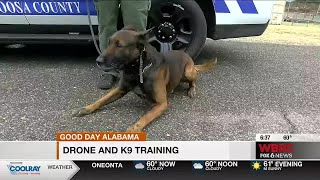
x: 296, y: 34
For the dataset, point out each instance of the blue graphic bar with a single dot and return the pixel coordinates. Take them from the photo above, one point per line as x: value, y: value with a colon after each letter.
x: 247, y: 6
x: 221, y: 6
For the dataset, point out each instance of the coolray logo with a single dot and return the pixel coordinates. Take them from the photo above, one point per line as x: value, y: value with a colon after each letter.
x: 11, y: 171
x: 19, y: 169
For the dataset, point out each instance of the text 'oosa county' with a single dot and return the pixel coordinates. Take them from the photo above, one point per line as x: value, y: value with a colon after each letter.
x: 32, y: 7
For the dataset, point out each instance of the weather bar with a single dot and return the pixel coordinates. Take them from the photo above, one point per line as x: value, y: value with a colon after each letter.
x: 197, y: 169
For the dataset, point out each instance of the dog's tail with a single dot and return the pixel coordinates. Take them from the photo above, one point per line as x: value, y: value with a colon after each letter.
x: 207, y: 66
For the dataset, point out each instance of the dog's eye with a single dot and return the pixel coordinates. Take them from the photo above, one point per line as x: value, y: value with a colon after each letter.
x: 119, y: 45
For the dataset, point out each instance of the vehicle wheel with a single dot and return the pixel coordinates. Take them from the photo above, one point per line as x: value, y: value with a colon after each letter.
x: 179, y: 25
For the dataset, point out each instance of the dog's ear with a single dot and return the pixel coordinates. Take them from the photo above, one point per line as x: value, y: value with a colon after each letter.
x: 129, y: 28
x: 143, y: 35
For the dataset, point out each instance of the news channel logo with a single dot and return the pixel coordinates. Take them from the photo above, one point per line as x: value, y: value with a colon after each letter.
x: 17, y: 168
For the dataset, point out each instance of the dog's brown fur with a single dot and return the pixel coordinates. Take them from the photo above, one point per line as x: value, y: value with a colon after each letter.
x: 166, y: 72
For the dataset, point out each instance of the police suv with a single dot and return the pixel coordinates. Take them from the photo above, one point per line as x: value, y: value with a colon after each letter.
x: 179, y: 24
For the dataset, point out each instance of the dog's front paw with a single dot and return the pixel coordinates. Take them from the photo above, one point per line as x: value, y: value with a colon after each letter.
x: 134, y: 128
x: 192, y: 92
x: 80, y: 112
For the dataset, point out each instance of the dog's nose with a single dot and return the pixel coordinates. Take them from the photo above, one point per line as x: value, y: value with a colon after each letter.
x: 99, y: 61
x: 99, y: 64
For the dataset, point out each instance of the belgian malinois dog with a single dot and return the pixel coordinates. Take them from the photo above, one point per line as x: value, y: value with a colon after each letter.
x: 145, y: 71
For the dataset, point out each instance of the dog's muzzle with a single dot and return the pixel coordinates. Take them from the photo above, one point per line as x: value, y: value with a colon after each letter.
x: 101, y: 63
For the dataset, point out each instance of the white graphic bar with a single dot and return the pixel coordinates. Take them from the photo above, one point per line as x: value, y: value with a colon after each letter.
x: 139, y: 150
x: 28, y: 150
x: 157, y: 150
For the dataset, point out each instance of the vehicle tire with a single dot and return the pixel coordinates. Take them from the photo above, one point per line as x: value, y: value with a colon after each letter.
x: 178, y: 25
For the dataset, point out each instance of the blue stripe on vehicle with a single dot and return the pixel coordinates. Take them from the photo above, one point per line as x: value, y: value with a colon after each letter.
x: 221, y: 6
x: 247, y: 6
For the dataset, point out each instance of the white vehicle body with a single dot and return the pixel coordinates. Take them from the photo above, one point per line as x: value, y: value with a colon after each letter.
x: 37, y: 20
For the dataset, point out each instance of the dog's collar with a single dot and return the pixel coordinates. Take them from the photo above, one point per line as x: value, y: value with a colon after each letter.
x: 141, y: 68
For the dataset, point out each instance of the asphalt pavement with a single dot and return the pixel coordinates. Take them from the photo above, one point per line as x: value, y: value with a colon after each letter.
x: 255, y: 88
